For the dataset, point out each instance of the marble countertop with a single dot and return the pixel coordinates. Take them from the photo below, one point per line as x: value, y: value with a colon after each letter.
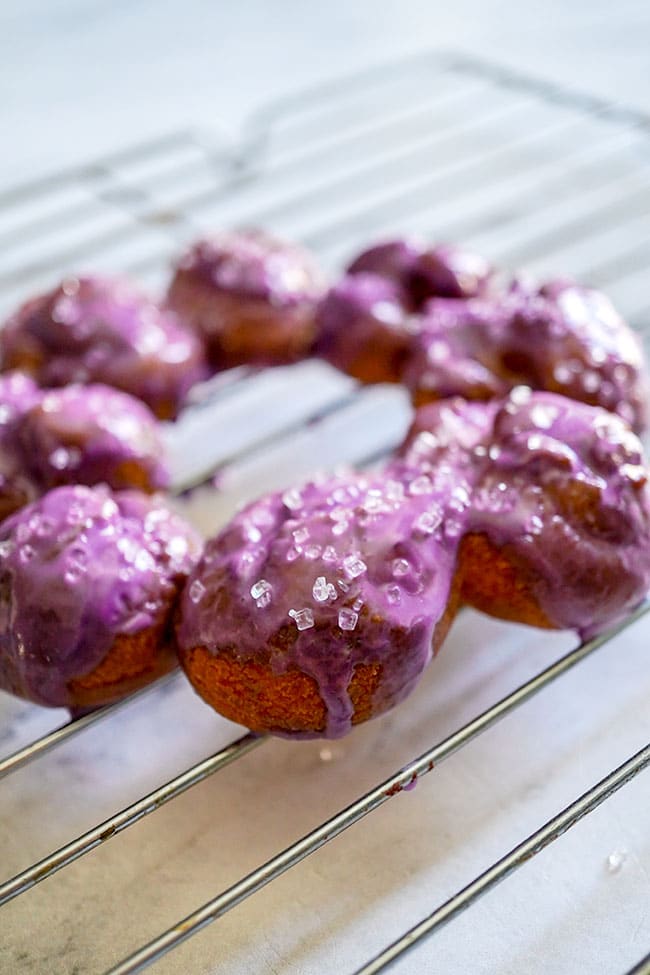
x: 80, y: 78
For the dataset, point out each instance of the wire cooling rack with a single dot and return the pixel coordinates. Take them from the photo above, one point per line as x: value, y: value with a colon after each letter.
x: 534, y: 176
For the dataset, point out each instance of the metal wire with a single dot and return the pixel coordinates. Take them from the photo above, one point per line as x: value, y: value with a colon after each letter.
x: 642, y: 968
x: 367, y: 803
x: 127, y: 817
x: 517, y: 857
x: 39, y: 747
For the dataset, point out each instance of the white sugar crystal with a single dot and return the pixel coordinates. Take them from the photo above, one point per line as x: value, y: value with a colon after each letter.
x: 303, y: 618
x: 421, y: 485
x: 339, y: 514
x: 348, y: 619
x: 196, y: 591
x: 292, y: 499
x: 453, y: 528
x: 400, y: 567
x: 26, y: 553
x: 394, y: 595
x: 343, y: 585
x: 329, y: 554
x: 261, y: 589
x: 6, y: 548
x: 394, y: 490
x: 312, y: 552
x: 321, y: 590
x: 341, y: 495
x: 357, y: 604
x: 253, y: 534
x: 340, y: 528
x: 426, y: 523
x: 300, y: 535
x: 353, y: 566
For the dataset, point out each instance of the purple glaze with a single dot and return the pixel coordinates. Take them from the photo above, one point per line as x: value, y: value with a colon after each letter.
x: 90, y: 434
x: 448, y: 271
x: 442, y: 270
x: 559, y: 337
x: 390, y: 259
x: 18, y: 393
x: 337, y: 573
x: 363, y: 319
x: 97, y: 329
x: 452, y: 431
x: 564, y: 487
x: 253, y: 264
x: 77, y: 568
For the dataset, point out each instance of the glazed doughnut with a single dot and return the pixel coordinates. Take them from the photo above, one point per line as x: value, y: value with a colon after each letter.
x: 320, y: 608
x: 250, y: 296
x: 558, y: 531
x: 88, y: 435
x: 367, y: 321
x: 364, y: 328
x: 558, y: 337
x: 88, y: 584
x: 99, y: 329
x: 442, y: 270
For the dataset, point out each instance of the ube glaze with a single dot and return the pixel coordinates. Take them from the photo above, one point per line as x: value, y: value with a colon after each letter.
x: 250, y: 296
x: 563, y: 491
x: 441, y: 270
x: 99, y: 329
x: 560, y: 337
x: 78, y: 568
x: 90, y: 434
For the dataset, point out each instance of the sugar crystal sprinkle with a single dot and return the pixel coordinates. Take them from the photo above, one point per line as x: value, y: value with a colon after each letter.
x: 348, y: 619
x: 259, y: 588
x: 303, y: 618
x: 426, y: 523
x: 420, y: 485
x: 393, y: 595
x: 292, y: 499
x: 400, y: 567
x: 321, y: 590
x: 353, y: 566
x: 196, y: 591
